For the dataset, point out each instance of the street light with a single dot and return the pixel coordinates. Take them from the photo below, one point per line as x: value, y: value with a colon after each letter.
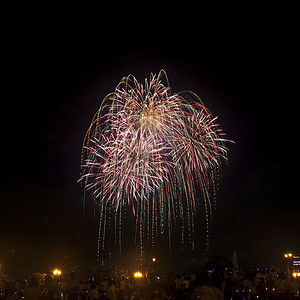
x: 56, y: 272
x: 138, y: 274
x: 154, y: 259
x: 288, y: 257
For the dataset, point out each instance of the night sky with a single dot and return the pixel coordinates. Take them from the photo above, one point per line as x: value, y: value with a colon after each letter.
x: 54, y: 82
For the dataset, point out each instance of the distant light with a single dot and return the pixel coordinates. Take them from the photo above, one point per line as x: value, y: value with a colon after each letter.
x: 154, y: 259
x: 286, y: 255
x: 138, y: 274
x: 56, y: 272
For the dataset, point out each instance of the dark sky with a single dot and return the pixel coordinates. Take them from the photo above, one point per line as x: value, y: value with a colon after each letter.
x: 54, y: 81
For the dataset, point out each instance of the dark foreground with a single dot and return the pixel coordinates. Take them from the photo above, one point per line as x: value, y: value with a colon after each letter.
x: 116, y: 283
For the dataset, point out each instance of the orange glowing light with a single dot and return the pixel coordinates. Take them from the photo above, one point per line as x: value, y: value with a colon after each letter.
x: 56, y: 272
x: 138, y: 274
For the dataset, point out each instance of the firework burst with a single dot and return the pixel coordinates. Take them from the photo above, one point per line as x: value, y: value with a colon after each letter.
x: 155, y: 152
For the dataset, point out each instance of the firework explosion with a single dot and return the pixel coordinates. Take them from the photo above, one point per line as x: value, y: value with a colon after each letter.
x: 154, y: 152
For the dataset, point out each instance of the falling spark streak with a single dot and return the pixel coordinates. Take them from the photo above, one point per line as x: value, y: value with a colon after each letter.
x: 152, y: 151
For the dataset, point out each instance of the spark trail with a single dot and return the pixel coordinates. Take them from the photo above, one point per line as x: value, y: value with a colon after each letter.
x: 155, y: 152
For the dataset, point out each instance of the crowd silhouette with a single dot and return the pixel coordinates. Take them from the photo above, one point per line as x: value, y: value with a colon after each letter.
x: 204, y: 285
